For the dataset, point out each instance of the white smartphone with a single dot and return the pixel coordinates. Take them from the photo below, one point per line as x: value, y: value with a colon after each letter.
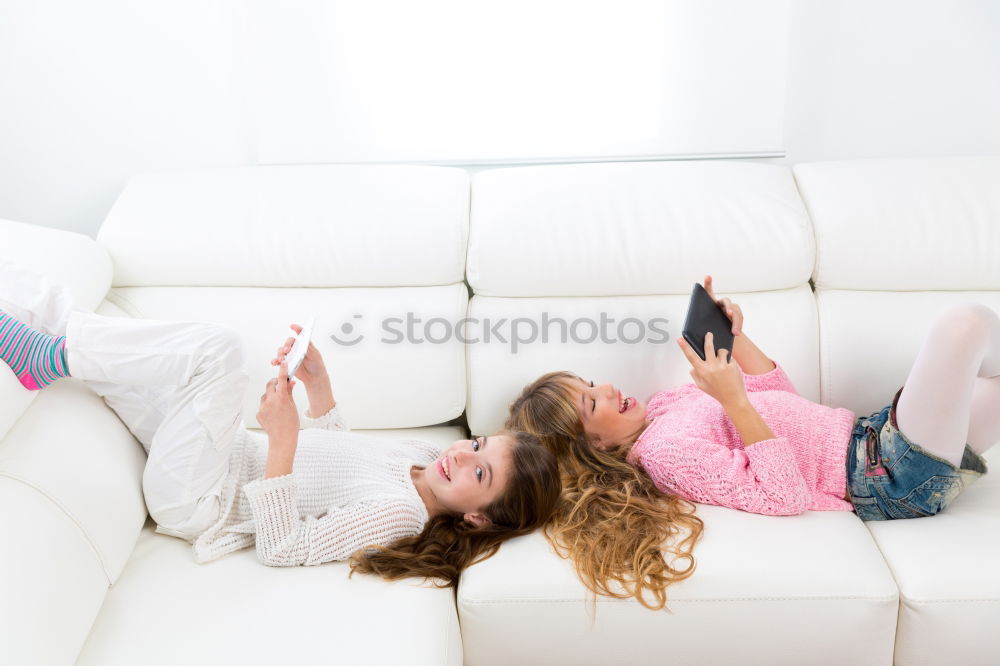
x: 299, y: 348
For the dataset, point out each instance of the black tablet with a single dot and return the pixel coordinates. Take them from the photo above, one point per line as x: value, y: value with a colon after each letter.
x: 704, y: 315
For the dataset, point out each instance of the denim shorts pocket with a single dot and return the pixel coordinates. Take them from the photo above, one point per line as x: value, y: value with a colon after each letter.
x: 931, y: 496
x: 867, y: 508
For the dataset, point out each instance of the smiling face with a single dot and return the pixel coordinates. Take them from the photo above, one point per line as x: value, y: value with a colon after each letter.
x: 610, y: 419
x: 470, y: 475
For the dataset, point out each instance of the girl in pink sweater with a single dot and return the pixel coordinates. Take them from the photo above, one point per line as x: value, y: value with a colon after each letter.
x: 740, y: 436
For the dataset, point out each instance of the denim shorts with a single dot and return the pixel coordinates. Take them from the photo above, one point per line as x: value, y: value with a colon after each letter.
x: 890, y: 477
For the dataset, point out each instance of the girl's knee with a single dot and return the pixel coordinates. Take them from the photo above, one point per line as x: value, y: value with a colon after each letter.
x: 970, y: 323
x: 225, y: 346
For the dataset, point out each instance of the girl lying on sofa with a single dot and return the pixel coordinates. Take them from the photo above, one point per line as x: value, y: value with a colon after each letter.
x: 394, y: 508
x: 740, y: 436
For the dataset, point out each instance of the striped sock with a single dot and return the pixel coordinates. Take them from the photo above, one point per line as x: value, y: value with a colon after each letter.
x: 36, y: 358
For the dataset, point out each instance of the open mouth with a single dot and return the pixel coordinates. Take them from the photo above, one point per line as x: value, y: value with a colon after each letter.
x: 444, y: 468
x: 625, y: 404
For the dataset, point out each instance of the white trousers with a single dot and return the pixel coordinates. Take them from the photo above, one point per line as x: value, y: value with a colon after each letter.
x: 179, y: 388
x: 33, y: 301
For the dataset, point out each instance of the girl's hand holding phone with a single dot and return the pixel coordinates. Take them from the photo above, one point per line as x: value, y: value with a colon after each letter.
x: 278, y: 415
x: 313, y: 374
x: 313, y: 368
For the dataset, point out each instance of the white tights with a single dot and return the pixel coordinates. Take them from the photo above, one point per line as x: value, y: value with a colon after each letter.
x: 952, y: 394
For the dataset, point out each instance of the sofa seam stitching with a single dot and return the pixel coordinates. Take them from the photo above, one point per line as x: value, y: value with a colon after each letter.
x: 66, y: 513
x: 931, y: 602
x: 894, y: 597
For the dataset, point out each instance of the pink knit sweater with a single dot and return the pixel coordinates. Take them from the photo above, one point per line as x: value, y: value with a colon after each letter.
x: 692, y: 449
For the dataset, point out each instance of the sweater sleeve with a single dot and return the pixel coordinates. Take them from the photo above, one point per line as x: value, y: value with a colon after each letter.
x: 775, y: 380
x: 284, y: 539
x: 332, y: 420
x: 762, y: 478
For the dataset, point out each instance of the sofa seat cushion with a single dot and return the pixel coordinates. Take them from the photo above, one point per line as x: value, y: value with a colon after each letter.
x: 70, y: 511
x: 807, y: 589
x: 166, y: 609
x: 71, y: 449
x: 947, y: 568
x: 52, y: 579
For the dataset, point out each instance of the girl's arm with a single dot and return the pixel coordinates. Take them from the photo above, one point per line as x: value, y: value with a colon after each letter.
x: 751, y: 359
x: 280, y: 419
x: 280, y: 456
x: 761, y: 479
x: 748, y: 421
x: 320, y: 399
x: 722, y: 379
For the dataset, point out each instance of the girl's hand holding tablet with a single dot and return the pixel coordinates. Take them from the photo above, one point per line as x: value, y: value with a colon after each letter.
x: 732, y: 310
x: 718, y: 375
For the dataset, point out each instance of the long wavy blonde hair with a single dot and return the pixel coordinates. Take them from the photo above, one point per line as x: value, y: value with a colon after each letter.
x: 625, y: 537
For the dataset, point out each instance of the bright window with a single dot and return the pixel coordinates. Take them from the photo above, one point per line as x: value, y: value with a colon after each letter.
x: 470, y: 81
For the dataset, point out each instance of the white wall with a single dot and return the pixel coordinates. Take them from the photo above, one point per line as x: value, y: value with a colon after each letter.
x: 93, y: 92
x: 893, y: 78
x: 439, y: 81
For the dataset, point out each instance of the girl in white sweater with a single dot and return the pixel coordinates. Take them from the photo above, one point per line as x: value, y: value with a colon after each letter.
x: 398, y: 508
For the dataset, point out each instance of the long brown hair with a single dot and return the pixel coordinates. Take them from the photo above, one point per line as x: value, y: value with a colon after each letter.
x: 612, y: 521
x: 448, y: 543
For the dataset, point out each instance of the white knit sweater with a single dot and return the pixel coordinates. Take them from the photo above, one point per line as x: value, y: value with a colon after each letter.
x: 347, y: 490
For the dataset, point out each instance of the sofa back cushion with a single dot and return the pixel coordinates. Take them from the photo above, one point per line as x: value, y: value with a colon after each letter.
x: 898, y: 242
x: 905, y: 225
x: 589, y: 268
x: 291, y: 226
x: 636, y: 228
x: 375, y: 253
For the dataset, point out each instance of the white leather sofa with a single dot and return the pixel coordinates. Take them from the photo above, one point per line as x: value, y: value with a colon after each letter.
x: 887, y: 245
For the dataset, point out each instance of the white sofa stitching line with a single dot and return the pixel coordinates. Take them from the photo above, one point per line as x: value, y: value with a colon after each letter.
x: 66, y: 512
x: 931, y: 602
x: 814, y: 288
x: 812, y: 223
x: 449, y: 632
x: 824, y: 375
x: 499, y: 602
x: 121, y: 301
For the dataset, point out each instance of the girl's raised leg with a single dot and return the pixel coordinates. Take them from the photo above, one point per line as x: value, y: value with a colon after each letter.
x: 33, y: 300
x: 37, y: 359
x: 180, y: 386
x: 952, y: 394
x: 984, y: 418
